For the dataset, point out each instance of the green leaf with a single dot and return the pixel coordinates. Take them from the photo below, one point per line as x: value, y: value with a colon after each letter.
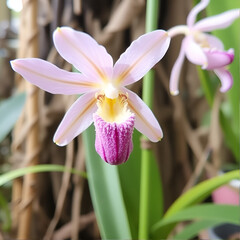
x: 10, y: 110
x: 129, y: 173
x: 193, y: 196
x: 9, y: 176
x: 106, y: 193
x: 231, y: 138
x: 156, y: 192
x: 204, y: 212
x: 5, y: 215
x: 194, y: 228
x: 201, y: 191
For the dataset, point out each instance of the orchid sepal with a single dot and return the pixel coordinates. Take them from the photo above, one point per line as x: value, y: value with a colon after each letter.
x: 52, y: 79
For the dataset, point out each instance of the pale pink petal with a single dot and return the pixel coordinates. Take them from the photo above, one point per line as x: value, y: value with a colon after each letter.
x: 140, y: 57
x: 145, y: 121
x: 214, y: 42
x: 51, y: 78
x: 84, y: 53
x: 114, y: 140
x: 78, y: 118
x: 194, y: 12
x: 225, y: 78
x: 194, y: 52
x: 219, y: 21
x: 176, y: 70
x: 218, y: 59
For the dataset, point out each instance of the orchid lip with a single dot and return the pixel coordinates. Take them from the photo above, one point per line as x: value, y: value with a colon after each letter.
x: 218, y: 59
x: 114, y: 140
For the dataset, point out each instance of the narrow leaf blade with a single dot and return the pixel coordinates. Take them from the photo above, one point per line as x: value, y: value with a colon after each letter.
x: 11, y: 175
x: 206, y: 212
x: 193, y: 196
x: 194, y: 228
x: 106, y: 193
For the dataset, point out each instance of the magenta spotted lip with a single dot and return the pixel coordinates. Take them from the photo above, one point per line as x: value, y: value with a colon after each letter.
x: 114, y: 140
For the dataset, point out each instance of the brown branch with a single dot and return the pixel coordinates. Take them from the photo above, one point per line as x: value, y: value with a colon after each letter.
x: 78, y: 190
x: 28, y: 41
x: 62, y: 193
x: 64, y: 187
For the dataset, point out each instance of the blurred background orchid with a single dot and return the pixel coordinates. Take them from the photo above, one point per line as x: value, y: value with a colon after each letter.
x: 204, y: 49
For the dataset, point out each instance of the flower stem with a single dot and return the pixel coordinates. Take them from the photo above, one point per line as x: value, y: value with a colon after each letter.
x: 146, y: 158
x: 176, y: 30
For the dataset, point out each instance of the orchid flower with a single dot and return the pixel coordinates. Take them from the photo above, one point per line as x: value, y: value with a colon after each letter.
x: 114, y: 109
x: 202, y: 48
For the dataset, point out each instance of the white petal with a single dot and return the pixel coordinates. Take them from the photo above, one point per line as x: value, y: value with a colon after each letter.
x: 145, y: 121
x: 81, y: 50
x: 194, y: 12
x: 140, y: 57
x: 194, y: 52
x: 214, y: 42
x: 78, y: 118
x: 176, y: 70
x: 52, y: 79
x: 225, y: 78
x: 219, y: 21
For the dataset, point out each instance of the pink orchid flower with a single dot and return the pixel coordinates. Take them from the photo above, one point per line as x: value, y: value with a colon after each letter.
x: 202, y: 48
x: 114, y: 109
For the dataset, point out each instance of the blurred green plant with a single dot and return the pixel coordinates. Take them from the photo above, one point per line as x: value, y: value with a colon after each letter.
x: 10, y: 110
x: 195, y: 195
x: 5, y: 217
x: 5, y: 214
x: 204, y: 215
x: 13, y: 174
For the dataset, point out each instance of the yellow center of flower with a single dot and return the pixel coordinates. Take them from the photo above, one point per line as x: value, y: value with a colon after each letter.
x: 113, y: 109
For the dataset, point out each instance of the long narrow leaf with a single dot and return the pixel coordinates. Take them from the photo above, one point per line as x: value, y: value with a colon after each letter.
x: 201, y: 192
x: 106, y: 193
x: 129, y: 174
x: 194, y: 228
x: 10, y: 110
x: 9, y: 176
x: 212, y: 212
x: 130, y: 180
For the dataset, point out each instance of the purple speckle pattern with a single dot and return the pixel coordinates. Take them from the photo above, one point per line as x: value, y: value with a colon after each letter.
x: 114, y: 140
